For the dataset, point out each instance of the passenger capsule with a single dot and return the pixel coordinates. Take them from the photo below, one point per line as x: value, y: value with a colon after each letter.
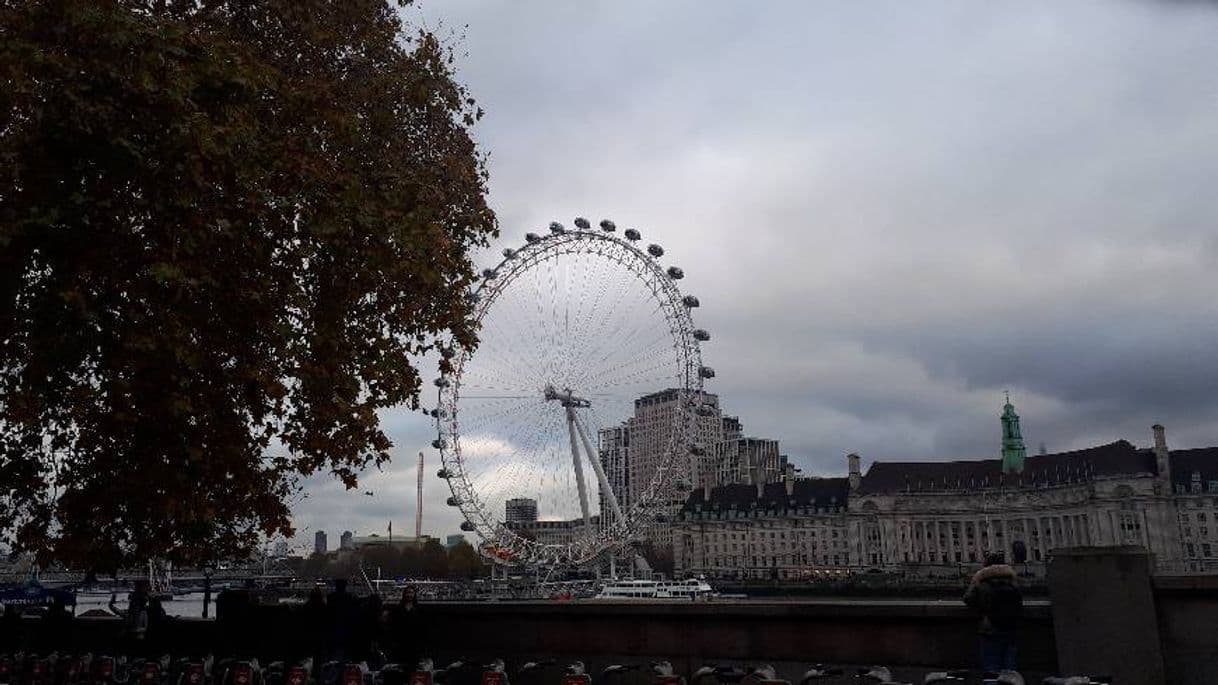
x: 690, y: 301
x: 608, y: 226
x: 444, y: 473
x: 706, y: 372
x: 467, y: 527
x: 675, y: 273
x: 453, y: 502
x: 697, y: 450
x: 531, y: 237
x: 582, y: 224
x: 442, y: 382
x: 655, y: 250
x: 556, y: 227
x: 632, y: 234
x: 701, y: 335
x: 439, y: 444
x: 508, y: 253
x: 488, y: 274
x: 705, y: 410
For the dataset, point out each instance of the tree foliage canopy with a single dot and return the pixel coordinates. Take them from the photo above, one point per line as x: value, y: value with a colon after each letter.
x: 228, y: 229
x: 432, y: 561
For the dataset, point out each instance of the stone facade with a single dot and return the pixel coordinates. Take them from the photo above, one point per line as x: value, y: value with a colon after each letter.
x: 932, y: 518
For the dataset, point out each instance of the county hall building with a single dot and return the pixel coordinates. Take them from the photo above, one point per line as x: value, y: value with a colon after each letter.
x: 932, y: 518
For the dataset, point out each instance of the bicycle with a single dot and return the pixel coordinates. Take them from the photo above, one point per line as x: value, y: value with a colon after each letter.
x: 819, y: 672
x: 877, y: 674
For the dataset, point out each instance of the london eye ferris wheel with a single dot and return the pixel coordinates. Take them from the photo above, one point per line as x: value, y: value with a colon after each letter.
x: 574, y: 326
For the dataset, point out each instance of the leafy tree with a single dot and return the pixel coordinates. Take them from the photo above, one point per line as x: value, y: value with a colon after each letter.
x: 226, y: 230
x: 386, y: 559
x: 315, y: 566
x: 434, y: 560
x: 412, y: 562
x: 464, y: 561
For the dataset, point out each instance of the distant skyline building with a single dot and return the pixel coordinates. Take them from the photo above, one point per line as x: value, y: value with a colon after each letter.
x: 319, y: 542
x: 346, y: 540
x: 520, y: 510
x: 454, y: 540
x: 281, y: 548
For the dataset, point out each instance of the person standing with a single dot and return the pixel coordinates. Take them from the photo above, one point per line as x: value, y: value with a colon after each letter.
x: 135, y: 617
x: 994, y: 594
x: 404, y: 626
x: 344, y: 622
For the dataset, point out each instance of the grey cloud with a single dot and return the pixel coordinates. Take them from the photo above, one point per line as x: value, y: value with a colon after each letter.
x: 891, y: 213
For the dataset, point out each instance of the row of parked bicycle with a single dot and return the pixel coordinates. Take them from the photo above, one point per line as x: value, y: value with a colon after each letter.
x: 87, y: 669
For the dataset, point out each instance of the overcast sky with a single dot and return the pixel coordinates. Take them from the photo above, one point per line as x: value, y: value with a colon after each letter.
x: 891, y: 212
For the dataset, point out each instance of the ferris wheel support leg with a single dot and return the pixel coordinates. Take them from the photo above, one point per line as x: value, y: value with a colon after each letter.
x: 579, y: 470
x: 600, y: 474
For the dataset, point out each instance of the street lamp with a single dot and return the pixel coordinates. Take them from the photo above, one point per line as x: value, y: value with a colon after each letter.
x: 207, y: 571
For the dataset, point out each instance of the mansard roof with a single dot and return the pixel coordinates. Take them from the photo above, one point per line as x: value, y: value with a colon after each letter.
x: 1203, y: 461
x: 808, y: 492
x: 1114, y: 459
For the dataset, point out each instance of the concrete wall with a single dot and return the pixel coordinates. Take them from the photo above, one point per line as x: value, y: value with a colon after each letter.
x: 1104, y: 613
x: 1187, y: 611
x: 915, y: 633
x: 895, y: 633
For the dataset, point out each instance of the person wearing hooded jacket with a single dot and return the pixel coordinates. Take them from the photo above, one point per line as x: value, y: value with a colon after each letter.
x: 994, y: 594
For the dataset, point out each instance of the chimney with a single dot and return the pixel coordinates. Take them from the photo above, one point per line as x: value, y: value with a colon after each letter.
x: 855, y: 475
x: 759, y: 480
x: 706, y: 491
x: 788, y: 477
x: 1162, y: 456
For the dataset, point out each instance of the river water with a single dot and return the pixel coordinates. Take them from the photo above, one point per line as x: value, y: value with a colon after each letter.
x: 189, y: 605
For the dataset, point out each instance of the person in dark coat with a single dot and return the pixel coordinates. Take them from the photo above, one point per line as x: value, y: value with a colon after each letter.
x: 314, y: 615
x: 994, y: 594
x: 403, y: 626
x: 235, y: 616
x: 344, y: 621
x: 58, y: 632
x: 135, y: 617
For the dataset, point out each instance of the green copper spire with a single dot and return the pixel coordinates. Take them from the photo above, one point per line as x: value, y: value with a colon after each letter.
x: 1013, y: 451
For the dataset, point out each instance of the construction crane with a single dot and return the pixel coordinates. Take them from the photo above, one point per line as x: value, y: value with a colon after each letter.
x: 418, y: 503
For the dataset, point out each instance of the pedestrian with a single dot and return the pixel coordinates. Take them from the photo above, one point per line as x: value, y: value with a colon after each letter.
x: 404, y: 626
x: 235, y: 616
x: 344, y: 619
x: 58, y: 625
x: 315, y: 620
x: 135, y: 617
x: 994, y: 594
x: 158, y: 619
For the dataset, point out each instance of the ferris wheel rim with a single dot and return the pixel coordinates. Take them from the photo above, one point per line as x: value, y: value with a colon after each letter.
x: 644, y: 267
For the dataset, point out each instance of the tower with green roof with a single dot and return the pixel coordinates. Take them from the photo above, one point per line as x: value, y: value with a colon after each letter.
x: 1013, y: 451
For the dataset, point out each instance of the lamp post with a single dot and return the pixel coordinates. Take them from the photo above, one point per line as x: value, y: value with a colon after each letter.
x: 207, y: 571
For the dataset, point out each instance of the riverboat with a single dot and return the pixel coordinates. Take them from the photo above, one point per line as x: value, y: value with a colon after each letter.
x: 691, y: 589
